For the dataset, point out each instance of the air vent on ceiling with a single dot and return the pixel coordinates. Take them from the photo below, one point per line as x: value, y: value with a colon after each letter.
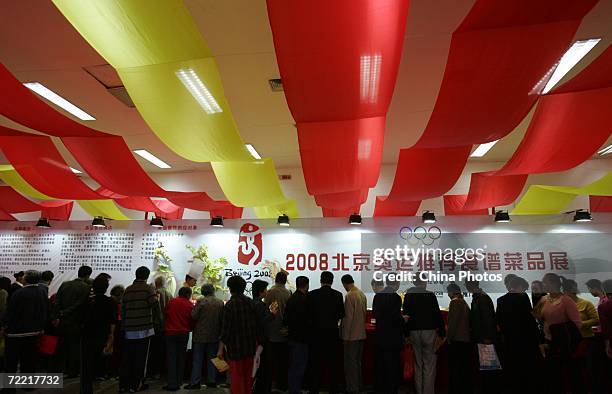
x: 276, y: 84
x: 108, y: 77
x: 284, y: 177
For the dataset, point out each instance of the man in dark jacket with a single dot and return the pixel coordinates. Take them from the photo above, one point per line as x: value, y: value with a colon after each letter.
x: 389, y: 337
x: 67, y: 316
x: 138, y: 305
x: 425, y: 324
x: 327, y: 311
x: 298, y: 319
x: 23, y: 323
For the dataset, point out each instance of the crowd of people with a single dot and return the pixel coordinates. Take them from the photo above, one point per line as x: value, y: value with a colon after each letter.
x: 296, y: 340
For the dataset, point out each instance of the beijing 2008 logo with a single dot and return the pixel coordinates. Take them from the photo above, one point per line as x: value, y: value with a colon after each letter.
x: 250, y: 244
x: 420, y: 235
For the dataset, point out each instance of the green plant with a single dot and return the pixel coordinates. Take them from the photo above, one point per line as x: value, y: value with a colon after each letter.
x: 212, y: 270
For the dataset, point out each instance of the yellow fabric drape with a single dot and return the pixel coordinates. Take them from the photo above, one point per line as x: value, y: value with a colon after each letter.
x: 149, y: 42
x: 548, y: 200
x: 105, y: 208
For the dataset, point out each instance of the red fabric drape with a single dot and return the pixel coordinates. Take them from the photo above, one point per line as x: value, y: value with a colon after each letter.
x: 385, y: 207
x: 226, y: 210
x: 487, y: 85
x: 161, y: 208
x: 567, y: 129
x: 341, y: 200
x: 338, y: 61
x: 340, y: 213
x: 454, y: 205
x: 202, y: 202
x: 600, y: 203
x: 5, y: 217
x: 13, y: 202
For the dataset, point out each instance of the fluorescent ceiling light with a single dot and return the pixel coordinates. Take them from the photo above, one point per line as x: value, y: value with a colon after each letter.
x: 570, y: 58
x: 482, y: 149
x: 370, y: 76
x: 75, y: 170
x: 252, y: 151
x: 58, y: 100
x: 148, y: 156
x: 198, y: 90
x: 606, y: 150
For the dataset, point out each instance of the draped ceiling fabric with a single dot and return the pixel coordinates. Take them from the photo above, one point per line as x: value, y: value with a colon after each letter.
x: 487, y: 85
x: 4, y: 216
x: 385, y: 207
x: 568, y: 127
x: 454, y: 205
x: 339, y: 94
x: 600, y: 203
x: 157, y: 51
x: 13, y: 202
x: 545, y: 200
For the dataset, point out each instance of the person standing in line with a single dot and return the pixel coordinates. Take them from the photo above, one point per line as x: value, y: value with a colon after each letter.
x: 276, y: 356
x: 208, y: 315
x: 158, y: 354
x: 353, y: 333
x: 23, y: 324
x: 18, y: 283
x: 596, y: 289
x: 178, y: 324
x: 259, y: 290
x: 328, y: 309
x: 138, y: 305
x: 100, y: 317
x: 561, y: 331
x: 298, y: 319
x: 114, y: 362
x: 425, y: 324
x: 605, y: 320
x: 484, y: 328
x: 459, y: 345
x: 5, y: 288
x: 520, y: 337
x: 389, y: 337
x: 239, y: 336
x: 67, y: 316
x: 45, y: 281
x: 590, y: 319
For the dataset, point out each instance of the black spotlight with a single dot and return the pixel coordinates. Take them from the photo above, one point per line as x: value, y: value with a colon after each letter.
x: 98, y: 222
x: 283, y: 220
x: 429, y: 217
x: 502, y: 217
x: 217, y: 221
x: 156, y: 222
x: 582, y: 215
x: 43, y: 223
x: 355, y: 219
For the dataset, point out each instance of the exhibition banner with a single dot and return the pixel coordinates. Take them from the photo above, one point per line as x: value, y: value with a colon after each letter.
x: 452, y: 250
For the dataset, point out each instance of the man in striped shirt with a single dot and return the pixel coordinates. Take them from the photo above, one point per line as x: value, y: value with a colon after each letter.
x: 138, y: 305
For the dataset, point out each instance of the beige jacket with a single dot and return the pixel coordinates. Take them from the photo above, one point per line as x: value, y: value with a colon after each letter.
x: 353, y: 323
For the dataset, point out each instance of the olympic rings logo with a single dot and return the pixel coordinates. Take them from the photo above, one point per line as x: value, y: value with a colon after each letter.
x: 420, y: 234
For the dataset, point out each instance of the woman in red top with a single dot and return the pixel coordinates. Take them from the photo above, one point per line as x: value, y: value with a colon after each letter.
x: 177, y: 325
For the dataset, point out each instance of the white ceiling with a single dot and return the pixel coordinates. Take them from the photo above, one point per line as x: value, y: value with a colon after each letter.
x: 38, y: 44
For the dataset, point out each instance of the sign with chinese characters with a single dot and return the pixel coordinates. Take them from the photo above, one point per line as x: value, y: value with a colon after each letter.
x: 310, y: 246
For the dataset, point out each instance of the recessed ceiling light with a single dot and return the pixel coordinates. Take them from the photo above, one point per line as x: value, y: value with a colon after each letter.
x: 482, y: 149
x: 198, y: 90
x: 75, y: 170
x: 606, y: 150
x: 151, y: 158
x: 58, y: 100
x: 570, y: 58
x: 252, y: 151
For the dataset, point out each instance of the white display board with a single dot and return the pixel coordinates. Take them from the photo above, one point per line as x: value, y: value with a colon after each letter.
x: 528, y: 247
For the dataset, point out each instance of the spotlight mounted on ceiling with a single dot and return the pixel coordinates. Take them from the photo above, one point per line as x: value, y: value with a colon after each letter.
x: 582, y: 215
x: 98, y: 222
x: 156, y: 222
x: 429, y: 217
x: 355, y: 219
x: 43, y: 223
x: 502, y: 217
x: 217, y: 221
x: 283, y: 220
